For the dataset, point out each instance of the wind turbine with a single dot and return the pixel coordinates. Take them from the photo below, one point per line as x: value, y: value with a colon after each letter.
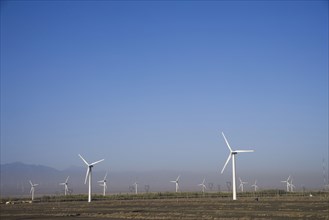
x: 103, y: 183
x: 255, y: 186
x: 176, y: 182
x: 32, y: 189
x: 203, y: 186
x: 66, y: 188
x: 232, y: 155
x: 241, y: 184
x: 88, y: 174
x: 287, y: 181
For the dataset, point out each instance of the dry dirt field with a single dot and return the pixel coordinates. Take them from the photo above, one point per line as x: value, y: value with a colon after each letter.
x: 194, y: 208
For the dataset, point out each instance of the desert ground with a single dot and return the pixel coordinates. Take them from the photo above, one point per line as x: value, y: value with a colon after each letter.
x: 282, y: 207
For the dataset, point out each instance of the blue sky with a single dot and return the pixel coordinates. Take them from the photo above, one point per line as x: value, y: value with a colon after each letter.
x: 150, y: 85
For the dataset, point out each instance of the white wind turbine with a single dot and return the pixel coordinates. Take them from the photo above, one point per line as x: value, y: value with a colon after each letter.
x: 88, y: 174
x: 66, y: 188
x: 103, y: 183
x: 203, y: 186
x: 255, y: 186
x: 32, y: 189
x: 176, y: 182
x: 241, y: 184
x: 287, y: 182
x: 232, y: 155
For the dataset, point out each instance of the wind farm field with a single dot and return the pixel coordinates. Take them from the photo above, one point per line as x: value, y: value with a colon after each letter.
x: 281, y: 207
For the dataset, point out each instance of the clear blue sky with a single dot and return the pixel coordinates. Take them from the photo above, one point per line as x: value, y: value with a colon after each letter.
x: 150, y: 85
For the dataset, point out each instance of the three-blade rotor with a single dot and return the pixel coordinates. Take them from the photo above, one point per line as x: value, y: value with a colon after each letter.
x: 89, y: 166
x: 203, y: 185
x: 232, y: 152
x: 32, y: 186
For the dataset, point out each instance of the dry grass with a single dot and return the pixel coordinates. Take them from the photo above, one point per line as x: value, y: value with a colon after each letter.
x: 193, y: 208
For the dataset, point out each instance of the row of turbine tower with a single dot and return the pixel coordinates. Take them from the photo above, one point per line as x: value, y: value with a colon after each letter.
x: 88, y: 177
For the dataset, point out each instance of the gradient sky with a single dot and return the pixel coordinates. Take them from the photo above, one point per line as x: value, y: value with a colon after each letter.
x: 150, y: 85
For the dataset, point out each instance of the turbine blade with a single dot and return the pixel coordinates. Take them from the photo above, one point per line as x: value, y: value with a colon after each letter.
x: 228, y: 145
x: 67, y: 179
x: 96, y: 162
x: 228, y: 159
x: 105, y: 176
x: 177, y: 178
x: 31, y: 183
x: 84, y: 160
x: 173, y: 181
x: 87, y: 174
x: 243, y: 151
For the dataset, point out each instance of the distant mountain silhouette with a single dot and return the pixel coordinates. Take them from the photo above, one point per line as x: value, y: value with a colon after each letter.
x: 15, y: 178
x: 11, y: 171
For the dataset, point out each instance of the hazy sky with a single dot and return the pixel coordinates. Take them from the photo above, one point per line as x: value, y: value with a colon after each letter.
x: 150, y: 85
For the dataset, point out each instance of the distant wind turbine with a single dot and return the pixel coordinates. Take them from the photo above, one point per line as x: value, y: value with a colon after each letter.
x: 66, y: 188
x: 287, y: 182
x: 32, y: 189
x: 88, y: 174
x: 203, y: 186
x: 232, y: 155
x: 176, y: 182
x: 103, y: 184
x: 241, y: 184
x: 255, y: 186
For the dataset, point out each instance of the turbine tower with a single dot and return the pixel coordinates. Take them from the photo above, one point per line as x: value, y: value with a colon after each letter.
x: 103, y: 183
x: 32, y: 189
x: 287, y: 182
x: 255, y: 186
x: 176, y: 182
x: 241, y: 184
x: 136, y: 187
x: 88, y: 174
x: 203, y: 186
x: 232, y: 155
x: 66, y: 188
x: 292, y: 186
